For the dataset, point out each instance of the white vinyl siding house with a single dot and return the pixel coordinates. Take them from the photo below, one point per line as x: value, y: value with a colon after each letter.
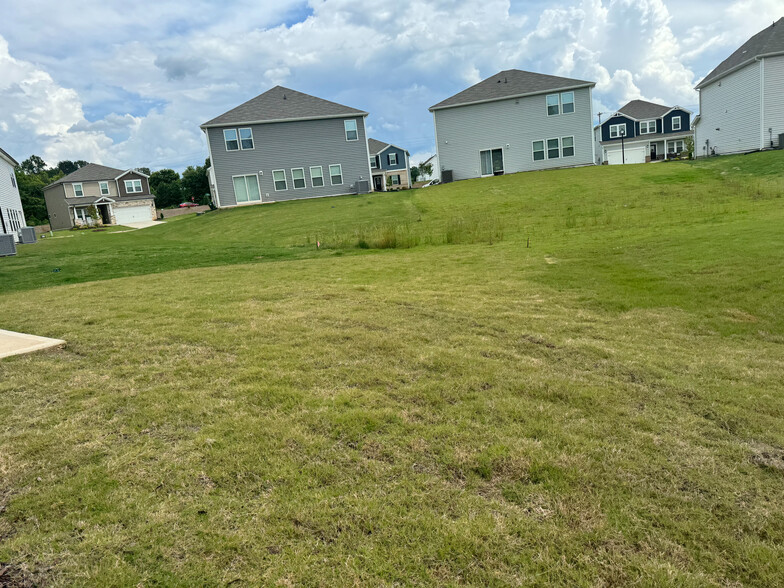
x: 517, y: 133
x: 11, y: 214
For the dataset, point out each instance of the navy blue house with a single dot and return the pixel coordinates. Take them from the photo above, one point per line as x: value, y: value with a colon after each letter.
x: 389, y: 166
x: 641, y: 132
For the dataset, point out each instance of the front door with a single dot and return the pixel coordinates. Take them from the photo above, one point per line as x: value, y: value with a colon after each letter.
x: 653, y: 152
x: 378, y: 183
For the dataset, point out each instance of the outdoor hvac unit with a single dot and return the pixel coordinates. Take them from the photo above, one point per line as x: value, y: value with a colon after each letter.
x: 781, y: 140
x: 446, y: 176
x: 363, y: 187
x: 7, y: 245
x: 27, y: 235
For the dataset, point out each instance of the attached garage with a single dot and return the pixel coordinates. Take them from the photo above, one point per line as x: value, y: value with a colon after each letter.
x: 132, y: 214
x: 634, y: 154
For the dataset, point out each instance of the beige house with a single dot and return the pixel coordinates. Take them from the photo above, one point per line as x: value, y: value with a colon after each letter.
x: 96, y: 194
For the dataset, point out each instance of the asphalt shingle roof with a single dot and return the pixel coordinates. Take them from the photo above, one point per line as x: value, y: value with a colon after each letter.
x: 769, y: 40
x: 510, y: 83
x: 641, y: 110
x: 375, y: 146
x: 280, y: 104
x: 92, y: 172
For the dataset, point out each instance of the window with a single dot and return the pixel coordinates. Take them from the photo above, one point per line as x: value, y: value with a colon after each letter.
x: 298, y: 177
x: 230, y: 138
x: 373, y: 164
x: 78, y: 192
x: 392, y: 158
x: 13, y: 180
x: 567, y: 146
x: 335, y: 174
x: 538, y: 150
x: 616, y: 131
x: 133, y: 186
x: 316, y: 176
x: 552, y: 105
x: 246, y: 138
x: 567, y: 102
x: 395, y: 179
x: 553, y: 149
x: 246, y: 188
x: 676, y: 123
x: 351, y: 129
x: 675, y: 146
x: 492, y: 161
x: 279, y: 178
x: 104, y: 188
x: 647, y: 127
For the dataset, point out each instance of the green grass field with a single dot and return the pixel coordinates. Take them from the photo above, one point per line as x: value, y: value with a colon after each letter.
x: 572, y: 377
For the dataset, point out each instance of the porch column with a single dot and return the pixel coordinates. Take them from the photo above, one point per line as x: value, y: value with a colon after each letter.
x: 76, y: 218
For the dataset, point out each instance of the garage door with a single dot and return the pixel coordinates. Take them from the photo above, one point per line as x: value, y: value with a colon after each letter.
x: 633, y: 155
x: 132, y: 214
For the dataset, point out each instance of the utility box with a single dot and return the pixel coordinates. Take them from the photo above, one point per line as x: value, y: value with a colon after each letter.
x: 781, y: 141
x: 7, y: 245
x: 446, y: 176
x: 27, y: 235
x: 363, y: 187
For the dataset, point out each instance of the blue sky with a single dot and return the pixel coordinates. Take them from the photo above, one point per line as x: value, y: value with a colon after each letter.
x: 128, y: 85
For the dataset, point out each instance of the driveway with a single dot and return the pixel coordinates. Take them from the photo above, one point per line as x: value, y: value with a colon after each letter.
x: 12, y: 343
x: 143, y: 224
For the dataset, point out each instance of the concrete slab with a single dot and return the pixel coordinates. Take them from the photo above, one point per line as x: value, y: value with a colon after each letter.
x: 143, y: 224
x: 12, y: 343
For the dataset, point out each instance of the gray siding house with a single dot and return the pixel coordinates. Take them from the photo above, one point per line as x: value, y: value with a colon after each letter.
x: 286, y: 145
x: 118, y: 197
x: 514, y: 121
x: 742, y: 99
x: 11, y: 214
x: 389, y: 165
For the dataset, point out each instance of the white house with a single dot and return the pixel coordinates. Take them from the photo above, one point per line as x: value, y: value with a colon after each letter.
x: 742, y: 100
x: 11, y: 213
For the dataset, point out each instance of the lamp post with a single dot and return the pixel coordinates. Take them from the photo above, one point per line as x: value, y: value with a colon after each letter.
x: 623, y: 149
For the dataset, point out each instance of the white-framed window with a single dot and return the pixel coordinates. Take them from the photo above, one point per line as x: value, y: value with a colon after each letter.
x: 298, y: 178
x: 316, y: 176
x: 336, y: 174
x: 246, y: 138
x: 392, y: 158
x: 230, y: 138
x: 395, y: 179
x: 14, y: 219
x: 617, y: 130
x: 246, y: 188
x: 538, y: 149
x: 492, y: 161
x: 567, y: 102
x: 553, y: 148
x: 373, y: 164
x: 351, y: 130
x: 676, y: 123
x: 279, y: 179
x: 647, y: 127
x: 567, y: 146
x: 78, y: 191
x: 676, y: 146
x: 104, y: 188
x: 553, y: 106
x: 133, y: 186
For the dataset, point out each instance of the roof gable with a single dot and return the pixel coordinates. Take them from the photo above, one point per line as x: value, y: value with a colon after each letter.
x: 510, y: 83
x: 768, y: 41
x: 375, y: 146
x: 642, y: 110
x: 282, y: 104
x: 92, y: 172
x: 8, y: 158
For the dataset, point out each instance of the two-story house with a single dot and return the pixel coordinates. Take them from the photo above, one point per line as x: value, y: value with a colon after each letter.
x: 514, y: 121
x: 642, y: 131
x: 742, y: 99
x: 286, y: 145
x: 96, y: 193
x: 389, y: 166
x: 11, y: 214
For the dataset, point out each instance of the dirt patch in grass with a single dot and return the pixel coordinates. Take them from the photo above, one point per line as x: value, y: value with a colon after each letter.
x: 16, y: 576
x: 768, y: 457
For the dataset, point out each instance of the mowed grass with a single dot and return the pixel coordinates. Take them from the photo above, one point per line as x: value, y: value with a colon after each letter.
x: 558, y: 378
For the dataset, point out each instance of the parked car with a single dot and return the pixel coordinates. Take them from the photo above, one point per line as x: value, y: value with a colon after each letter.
x: 188, y: 204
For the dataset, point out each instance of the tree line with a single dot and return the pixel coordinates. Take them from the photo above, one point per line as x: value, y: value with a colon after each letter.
x: 169, y: 188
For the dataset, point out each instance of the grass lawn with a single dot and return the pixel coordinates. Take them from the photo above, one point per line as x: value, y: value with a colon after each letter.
x: 571, y: 377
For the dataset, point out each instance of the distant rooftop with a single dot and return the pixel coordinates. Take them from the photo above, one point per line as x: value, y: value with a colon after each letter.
x: 92, y: 172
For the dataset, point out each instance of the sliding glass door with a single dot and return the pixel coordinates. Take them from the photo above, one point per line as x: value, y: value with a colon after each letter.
x: 492, y: 161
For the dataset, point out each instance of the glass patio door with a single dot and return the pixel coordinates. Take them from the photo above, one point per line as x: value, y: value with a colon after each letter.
x: 492, y: 161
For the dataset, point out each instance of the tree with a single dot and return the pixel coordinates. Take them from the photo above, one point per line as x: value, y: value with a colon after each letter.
x: 32, y: 176
x: 414, y: 174
x: 68, y: 167
x: 165, y: 185
x: 144, y: 170
x: 689, y: 144
x: 195, y: 185
x: 425, y: 169
x: 33, y: 165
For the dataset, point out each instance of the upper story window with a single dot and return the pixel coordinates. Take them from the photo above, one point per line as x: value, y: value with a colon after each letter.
x: 230, y: 138
x: 13, y: 180
x: 351, y: 130
x: 617, y: 131
x: 676, y: 123
x: 104, y: 188
x: 246, y: 138
x: 373, y: 164
x: 392, y: 158
x: 647, y: 127
x: 562, y: 103
x: 78, y: 191
x: 133, y: 186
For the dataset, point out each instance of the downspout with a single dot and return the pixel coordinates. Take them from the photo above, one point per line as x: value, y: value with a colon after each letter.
x: 438, y: 155
x: 593, y: 133
x: 762, y: 102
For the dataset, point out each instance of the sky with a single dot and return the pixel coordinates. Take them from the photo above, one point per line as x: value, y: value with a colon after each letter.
x: 128, y: 84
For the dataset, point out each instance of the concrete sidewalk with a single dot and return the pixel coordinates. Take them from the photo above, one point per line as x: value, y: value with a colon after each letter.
x: 18, y: 343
